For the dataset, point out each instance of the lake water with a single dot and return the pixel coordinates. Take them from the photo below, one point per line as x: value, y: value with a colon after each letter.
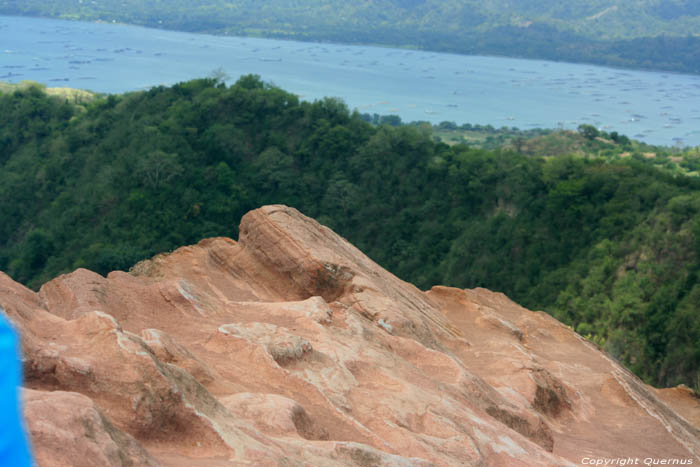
x: 659, y: 108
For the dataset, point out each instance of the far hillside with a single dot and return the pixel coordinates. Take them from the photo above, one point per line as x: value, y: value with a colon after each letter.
x: 587, y: 141
x: 651, y: 34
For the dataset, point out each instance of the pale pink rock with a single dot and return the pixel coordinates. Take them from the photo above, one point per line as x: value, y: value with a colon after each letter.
x: 291, y: 347
x: 68, y: 430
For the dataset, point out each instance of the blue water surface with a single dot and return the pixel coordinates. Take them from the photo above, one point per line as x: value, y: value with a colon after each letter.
x: 659, y: 108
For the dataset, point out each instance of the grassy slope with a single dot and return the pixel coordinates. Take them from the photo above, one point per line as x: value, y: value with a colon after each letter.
x: 554, y: 143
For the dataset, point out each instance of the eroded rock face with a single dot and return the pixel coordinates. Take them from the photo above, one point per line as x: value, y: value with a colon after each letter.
x: 69, y: 430
x: 291, y: 347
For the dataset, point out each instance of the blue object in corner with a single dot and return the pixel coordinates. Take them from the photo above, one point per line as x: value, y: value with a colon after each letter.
x: 14, y: 449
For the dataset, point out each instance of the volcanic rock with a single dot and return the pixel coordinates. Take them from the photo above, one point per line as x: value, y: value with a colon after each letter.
x: 69, y: 430
x: 291, y: 348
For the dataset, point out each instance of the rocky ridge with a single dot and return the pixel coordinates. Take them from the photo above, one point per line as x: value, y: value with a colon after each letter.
x: 290, y: 347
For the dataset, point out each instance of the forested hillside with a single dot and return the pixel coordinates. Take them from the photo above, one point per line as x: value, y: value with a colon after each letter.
x: 655, y: 34
x: 608, y: 246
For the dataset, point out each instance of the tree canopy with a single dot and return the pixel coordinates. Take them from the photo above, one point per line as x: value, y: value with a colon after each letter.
x: 609, y: 246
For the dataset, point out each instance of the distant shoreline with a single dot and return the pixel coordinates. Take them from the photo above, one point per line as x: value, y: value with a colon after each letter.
x: 480, y: 44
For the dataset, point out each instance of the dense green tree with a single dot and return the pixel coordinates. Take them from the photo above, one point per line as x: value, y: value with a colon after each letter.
x: 588, y: 131
x: 610, y: 246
